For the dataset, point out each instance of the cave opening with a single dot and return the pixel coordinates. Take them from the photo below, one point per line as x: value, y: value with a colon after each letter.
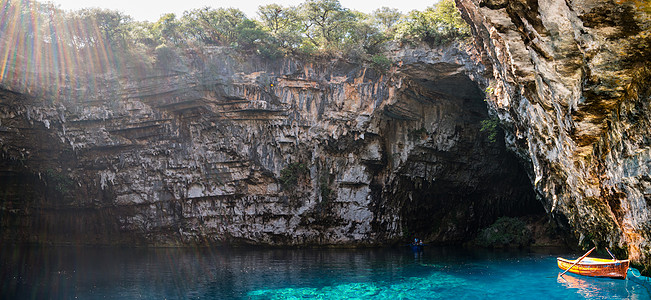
x: 429, y: 163
x: 457, y: 178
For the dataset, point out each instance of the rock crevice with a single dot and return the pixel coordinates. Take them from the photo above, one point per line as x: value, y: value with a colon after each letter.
x: 252, y: 151
x: 569, y: 80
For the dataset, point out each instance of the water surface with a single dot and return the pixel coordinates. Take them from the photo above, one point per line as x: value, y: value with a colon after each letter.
x: 206, y: 273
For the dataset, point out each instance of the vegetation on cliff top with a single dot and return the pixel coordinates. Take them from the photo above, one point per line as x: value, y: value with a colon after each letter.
x: 96, y: 40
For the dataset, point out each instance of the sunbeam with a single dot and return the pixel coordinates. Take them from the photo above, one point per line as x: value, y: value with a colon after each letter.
x: 44, y: 50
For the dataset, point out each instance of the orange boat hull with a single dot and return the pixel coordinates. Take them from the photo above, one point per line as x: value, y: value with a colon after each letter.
x: 596, y: 267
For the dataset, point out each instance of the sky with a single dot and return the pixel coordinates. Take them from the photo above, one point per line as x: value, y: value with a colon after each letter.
x: 151, y: 10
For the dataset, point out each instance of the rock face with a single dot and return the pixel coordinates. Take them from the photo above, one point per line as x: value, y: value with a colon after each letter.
x: 245, y: 150
x: 570, y: 83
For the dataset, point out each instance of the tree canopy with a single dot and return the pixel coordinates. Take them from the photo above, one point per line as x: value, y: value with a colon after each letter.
x: 313, y: 27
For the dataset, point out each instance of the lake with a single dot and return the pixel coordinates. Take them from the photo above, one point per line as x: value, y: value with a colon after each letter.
x: 30, y: 272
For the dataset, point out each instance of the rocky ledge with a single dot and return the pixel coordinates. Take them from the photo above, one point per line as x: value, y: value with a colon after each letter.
x: 570, y: 85
x: 244, y: 150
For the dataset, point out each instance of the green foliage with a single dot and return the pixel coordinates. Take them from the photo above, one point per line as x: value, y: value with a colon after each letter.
x: 381, y: 62
x: 491, y: 127
x: 418, y: 134
x: 168, y: 29
x: 166, y: 57
x: 99, y: 40
x: 489, y: 90
x: 248, y: 33
x: 225, y: 27
x: 285, y: 26
x: 326, y: 22
x: 437, y: 25
x: 112, y: 25
x: 291, y: 173
x: 364, y: 36
x: 505, y: 232
x: 307, y: 49
x: 143, y: 33
x: 324, y: 188
x: 214, y: 26
x: 269, y: 50
x: 59, y: 181
x: 276, y: 18
x: 385, y: 18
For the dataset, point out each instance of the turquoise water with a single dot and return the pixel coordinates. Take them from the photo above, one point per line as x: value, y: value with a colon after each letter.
x: 397, y: 273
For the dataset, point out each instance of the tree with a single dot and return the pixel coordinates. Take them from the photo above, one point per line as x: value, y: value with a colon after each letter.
x: 144, y: 33
x: 363, y: 34
x: 248, y: 33
x: 112, y: 25
x: 449, y: 20
x: 276, y: 18
x: 436, y: 25
x: 285, y: 25
x: 326, y: 22
x: 385, y: 18
x: 212, y: 26
x: 168, y: 28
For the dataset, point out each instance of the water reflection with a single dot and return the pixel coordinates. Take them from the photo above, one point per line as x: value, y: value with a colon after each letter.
x: 603, y: 288
x: 62, y: 272
x: 204, y: 273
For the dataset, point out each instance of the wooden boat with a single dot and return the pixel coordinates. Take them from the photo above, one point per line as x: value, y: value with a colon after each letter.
x: 599, y: 267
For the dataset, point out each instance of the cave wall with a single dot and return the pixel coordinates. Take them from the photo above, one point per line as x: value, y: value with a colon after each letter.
x: 570, y: 84
x: 243, y: 150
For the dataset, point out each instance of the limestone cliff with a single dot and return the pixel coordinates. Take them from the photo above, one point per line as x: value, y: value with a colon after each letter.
x: 233, y: 149
x: 570, y: 83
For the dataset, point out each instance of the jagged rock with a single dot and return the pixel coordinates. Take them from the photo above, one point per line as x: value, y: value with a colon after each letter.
x: 570, y: 82
x: 247, y: 150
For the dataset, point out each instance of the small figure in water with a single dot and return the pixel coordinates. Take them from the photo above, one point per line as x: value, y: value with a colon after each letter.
x: 417, y: 247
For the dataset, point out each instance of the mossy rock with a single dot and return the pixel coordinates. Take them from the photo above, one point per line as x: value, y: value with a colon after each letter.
x: 505, y: 233
x: 291, y: 173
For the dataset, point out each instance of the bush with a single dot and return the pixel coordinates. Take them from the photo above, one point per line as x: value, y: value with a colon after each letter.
x: 291, y: 173
x: 59, y: 181
x: 313, y: 28
x: 381, y: 62
x: 437, y: 25
x: 166, y: 57
x: 505, y: 232
x: 324, y: 188
x: 491, y: 127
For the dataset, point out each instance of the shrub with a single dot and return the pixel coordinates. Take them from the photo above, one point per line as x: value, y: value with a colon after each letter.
x: 166, y: 57
x: 59, y: 181
x: 381, y: 62
x: 491, y: 127
x: 505, y: 232
x: 291, y: 173
x: 324, y: 188
x: 437, y: 25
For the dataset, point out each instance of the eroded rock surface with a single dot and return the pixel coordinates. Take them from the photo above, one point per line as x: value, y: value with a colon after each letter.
x: 571, y: 86
x: 245, y: 150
